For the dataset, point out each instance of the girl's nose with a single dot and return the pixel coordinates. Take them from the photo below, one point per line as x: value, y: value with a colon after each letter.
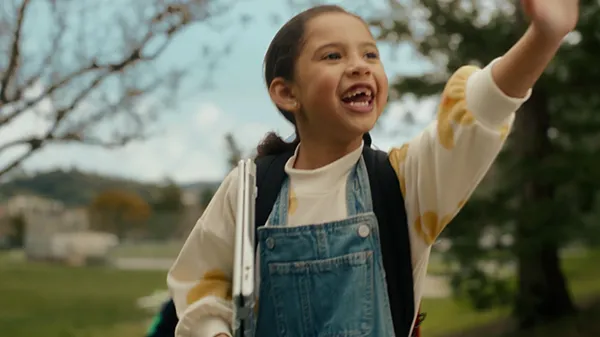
x: 358, y: 69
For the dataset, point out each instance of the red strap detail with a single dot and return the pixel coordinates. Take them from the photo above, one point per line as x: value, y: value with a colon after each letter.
x: 419, y: 320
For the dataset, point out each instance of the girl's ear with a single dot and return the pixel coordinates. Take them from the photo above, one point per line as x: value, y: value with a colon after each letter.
x: 282, y: 94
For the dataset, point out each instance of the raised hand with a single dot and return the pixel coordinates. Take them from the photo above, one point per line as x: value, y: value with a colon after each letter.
x: 552, y: 18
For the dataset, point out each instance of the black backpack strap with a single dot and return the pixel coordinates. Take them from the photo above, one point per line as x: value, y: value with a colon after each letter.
x: 166, y: 321
x: 388, y: 206
x: 270, y: 173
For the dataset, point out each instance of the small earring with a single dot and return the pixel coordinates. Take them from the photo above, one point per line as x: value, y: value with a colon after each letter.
x: 295, y: 104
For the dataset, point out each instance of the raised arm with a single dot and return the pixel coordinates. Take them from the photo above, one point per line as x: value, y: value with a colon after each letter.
x: 440, y: 168
x: 200, y: 278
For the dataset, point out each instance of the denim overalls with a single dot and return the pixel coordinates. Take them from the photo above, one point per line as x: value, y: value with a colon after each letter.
x: 324, y: 280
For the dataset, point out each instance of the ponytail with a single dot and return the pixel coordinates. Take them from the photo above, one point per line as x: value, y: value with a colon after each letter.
x: 367, y: 139
x: 272, y: 144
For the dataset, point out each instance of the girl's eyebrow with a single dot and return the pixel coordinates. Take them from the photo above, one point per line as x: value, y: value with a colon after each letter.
x: 366, y: 44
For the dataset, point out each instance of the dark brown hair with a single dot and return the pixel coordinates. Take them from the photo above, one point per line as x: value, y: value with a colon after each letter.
x: 280, y: 61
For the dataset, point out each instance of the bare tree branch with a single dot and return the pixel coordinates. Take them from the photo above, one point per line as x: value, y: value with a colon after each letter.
x: 17, y: 161
x: 100, y: 75
x: 14, y: 53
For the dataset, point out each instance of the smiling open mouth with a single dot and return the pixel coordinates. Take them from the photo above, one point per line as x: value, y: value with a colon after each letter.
x: 359, y: 99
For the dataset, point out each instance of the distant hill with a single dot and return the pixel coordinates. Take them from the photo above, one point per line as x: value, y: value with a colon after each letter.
x: 77, y: 188
x: 201, y: 186
x: 72, y: 187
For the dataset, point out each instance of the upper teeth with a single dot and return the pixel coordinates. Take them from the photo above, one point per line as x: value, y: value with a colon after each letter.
x: 357, y: 91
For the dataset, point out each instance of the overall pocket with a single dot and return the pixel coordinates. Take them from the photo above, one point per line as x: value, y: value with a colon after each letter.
x: 325, y: 298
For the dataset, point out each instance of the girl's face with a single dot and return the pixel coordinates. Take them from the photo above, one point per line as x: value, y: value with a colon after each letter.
x: 339, y: 82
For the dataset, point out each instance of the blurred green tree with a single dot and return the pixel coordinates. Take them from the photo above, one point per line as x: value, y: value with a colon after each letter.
x: 119, y: 211
x: 16, y: 238
x: 168, y: 212
x: 205, y: 197
x: 234, y: 152
x: 170, y: 198
x: 542, y: 192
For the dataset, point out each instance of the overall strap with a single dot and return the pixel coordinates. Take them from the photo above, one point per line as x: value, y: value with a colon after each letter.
x: 388, y: 206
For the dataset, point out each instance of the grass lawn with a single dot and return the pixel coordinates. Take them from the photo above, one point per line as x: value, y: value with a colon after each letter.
x: 146, y: 250
x: 585, y: 324
x: 54, y: 301
x: 447, y: 316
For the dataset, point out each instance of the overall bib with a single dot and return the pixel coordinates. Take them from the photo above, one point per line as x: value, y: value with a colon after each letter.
x: 324, y: 280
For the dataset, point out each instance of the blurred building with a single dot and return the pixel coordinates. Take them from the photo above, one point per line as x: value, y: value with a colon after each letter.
x: 56, y: 232
x: 31, y: 204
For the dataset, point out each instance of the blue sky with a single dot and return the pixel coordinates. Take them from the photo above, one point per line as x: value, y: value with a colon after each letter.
x: 190, y: 145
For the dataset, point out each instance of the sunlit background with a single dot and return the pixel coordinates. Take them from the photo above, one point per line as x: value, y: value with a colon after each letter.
x: 119, y: 118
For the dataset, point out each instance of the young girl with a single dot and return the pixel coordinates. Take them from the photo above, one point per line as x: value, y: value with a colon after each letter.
x: 320, y: 267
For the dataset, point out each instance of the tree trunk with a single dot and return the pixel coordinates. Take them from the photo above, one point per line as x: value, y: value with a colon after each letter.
x: 543, y: 294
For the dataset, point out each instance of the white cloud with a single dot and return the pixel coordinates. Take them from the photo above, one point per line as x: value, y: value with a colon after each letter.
x: 422, y: 111
x: 29, y: 124
x: 394, y: 131
x: 207, y: 116
x: 249, y: 135
x: 189, y: 148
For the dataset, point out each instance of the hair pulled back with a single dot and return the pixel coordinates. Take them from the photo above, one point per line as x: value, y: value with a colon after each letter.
x: 280, y: 61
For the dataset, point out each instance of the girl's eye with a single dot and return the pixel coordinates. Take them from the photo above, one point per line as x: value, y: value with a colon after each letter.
x: 332, y: 56
x: 372, y: 55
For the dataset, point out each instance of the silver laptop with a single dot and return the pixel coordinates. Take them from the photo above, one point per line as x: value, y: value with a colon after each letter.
x: 243, y: 267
